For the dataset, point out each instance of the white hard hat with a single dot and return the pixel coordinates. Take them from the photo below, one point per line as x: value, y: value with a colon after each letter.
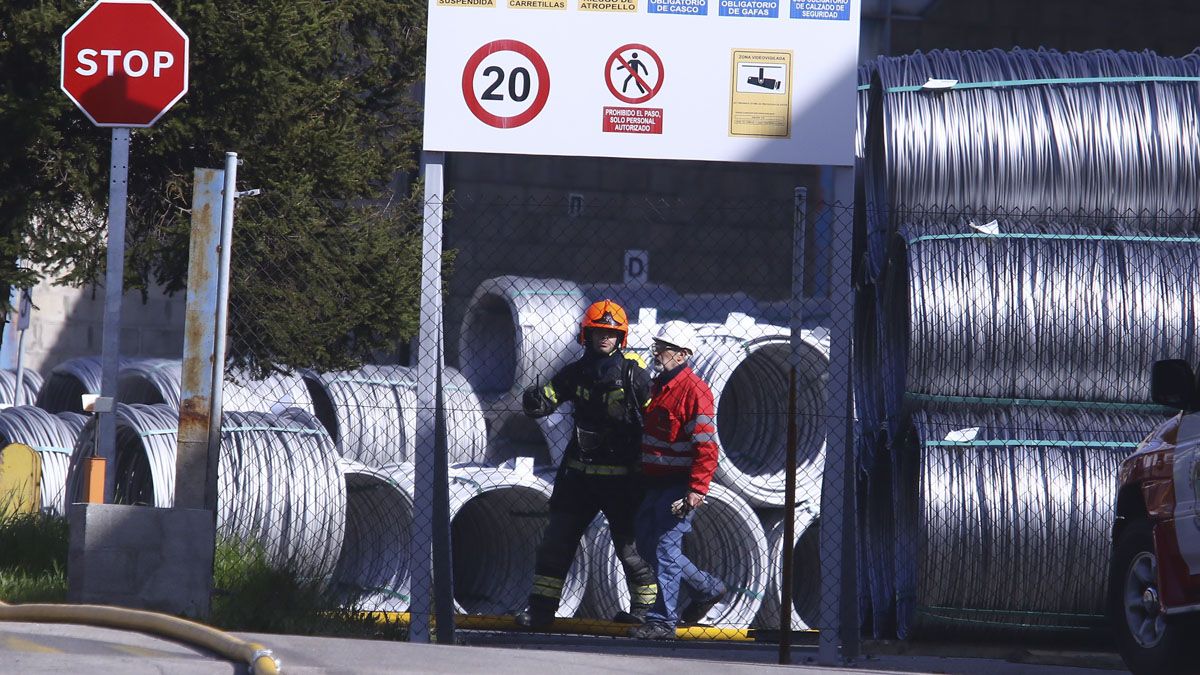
x: 678, y: 334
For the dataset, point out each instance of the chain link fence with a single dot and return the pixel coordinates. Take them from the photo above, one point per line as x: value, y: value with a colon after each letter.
x: 1000, y: 376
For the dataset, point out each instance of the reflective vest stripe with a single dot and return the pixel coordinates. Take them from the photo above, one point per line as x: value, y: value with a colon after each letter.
x: 666, y: 460
x: 682, y: 446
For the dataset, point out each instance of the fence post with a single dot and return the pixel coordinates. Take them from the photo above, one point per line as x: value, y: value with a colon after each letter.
x: 426, y: 478
x: 838, y: 541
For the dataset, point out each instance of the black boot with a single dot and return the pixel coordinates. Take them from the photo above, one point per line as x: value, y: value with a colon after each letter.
x: 635, y: 616
x: 534, y: 619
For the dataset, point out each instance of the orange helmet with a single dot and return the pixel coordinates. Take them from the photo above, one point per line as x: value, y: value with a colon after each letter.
x: 604, y: 314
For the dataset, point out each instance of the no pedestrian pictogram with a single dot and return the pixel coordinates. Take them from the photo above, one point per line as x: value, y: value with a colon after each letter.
x: 505, y: 84
x: 634, y: 73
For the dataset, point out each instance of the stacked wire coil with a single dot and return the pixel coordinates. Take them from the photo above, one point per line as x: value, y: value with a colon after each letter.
x: 52, y: 438
x: 1026, y: 254
x: 1071, y: 141
x: 371, y: 413
x: 1020, y: 497
x: 373, y: 570
x: 280, y: 485
x: 31, y: 381
x: 727, y: 540
x: 144, y: 469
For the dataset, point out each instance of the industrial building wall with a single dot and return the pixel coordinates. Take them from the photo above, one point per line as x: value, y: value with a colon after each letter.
x: 1164, y: 26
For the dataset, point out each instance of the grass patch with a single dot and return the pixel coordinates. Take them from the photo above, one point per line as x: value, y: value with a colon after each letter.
x: 251, y: 595
x: 33, y: 558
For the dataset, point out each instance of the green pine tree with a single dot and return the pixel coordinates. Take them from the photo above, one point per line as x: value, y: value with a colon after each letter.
x: 317, y: 98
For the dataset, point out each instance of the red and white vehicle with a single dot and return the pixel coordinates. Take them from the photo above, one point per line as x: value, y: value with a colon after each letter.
x: 1154, y: 580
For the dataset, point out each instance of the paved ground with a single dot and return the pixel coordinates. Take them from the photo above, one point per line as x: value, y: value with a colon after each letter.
x: 56, y: 648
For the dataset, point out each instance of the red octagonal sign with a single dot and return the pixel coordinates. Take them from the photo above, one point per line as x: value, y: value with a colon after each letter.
x: 124, y: 63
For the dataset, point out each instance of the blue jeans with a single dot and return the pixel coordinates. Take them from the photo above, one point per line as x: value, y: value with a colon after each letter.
x: 660, y: 541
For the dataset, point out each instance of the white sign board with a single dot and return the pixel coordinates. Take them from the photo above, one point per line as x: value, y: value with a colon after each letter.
x: 719, y: 80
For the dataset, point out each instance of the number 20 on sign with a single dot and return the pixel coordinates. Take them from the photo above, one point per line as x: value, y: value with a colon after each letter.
x: 505, y: 84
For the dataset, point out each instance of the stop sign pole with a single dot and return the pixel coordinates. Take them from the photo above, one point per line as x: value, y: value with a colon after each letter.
x: 124, y: 63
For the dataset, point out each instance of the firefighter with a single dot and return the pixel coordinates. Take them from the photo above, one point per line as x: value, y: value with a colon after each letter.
x: 609, y: 388
x: 679, y: 458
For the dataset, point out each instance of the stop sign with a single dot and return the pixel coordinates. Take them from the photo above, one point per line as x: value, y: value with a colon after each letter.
x: 124, y: 63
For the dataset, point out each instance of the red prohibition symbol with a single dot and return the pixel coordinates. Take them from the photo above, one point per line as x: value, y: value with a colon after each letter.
x: 540, y: 71
x: 631, y: 67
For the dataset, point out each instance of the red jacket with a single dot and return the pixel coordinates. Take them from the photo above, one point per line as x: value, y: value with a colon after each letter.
x: 679, y: 436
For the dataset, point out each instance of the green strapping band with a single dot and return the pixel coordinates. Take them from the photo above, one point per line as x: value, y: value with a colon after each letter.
x: 933, y: 613
x: 305, y: 432
x: 1029, y: 443
x: 158, y: 432
x: 1068, y: 237
x: 749, y: 593
x: 1085, y: 405
x: 1130, y: 79
x: 52, y: 448
x: 375, y: 381
x: 518, y: 294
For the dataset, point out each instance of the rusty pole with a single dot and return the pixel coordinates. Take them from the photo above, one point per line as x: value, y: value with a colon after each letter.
x: 199, y: 342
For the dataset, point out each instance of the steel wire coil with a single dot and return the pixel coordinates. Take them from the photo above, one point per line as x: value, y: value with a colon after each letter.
x: 74, y: 421
x: 151, y: 381
x: 806, y: 571
x: 748, y: 375
x: 278, y: 481
x: 31, y: 379
x: 144, y: 467
x: 1043, y: 318
x: 68, y: 382
x: 545, y: 440
x: 371, y: 413
x: 727, y: 541
x: 280, y: 485
x: 1023, y: 501
x: 52, y: 439
x: 373, y: 572
x: 497, y: 517
x: 518, y: 331
x: 1123, y: 153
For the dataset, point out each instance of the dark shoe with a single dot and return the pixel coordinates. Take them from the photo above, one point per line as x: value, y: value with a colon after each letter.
x: 634, y: 618
x: 696, y: 612
x: 654, y: 630
x: 533, y: 619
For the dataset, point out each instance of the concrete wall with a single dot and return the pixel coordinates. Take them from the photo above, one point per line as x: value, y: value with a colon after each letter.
x: 68, y: 322
x: 141, y: 557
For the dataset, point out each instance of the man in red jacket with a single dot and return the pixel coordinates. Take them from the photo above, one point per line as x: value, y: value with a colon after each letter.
x: 679, y: 457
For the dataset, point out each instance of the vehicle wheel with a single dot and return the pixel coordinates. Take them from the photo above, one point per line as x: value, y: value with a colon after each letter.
x: 1149, y: 640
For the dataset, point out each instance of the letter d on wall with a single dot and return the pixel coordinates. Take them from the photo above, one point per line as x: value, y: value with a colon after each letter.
x: 637, y: 267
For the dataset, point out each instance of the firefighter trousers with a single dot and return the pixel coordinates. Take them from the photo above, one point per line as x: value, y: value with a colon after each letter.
x: 577, y: 498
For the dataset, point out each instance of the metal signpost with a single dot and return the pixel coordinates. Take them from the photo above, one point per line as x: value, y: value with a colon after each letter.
x: 124, y: 63
x: 768, y: 81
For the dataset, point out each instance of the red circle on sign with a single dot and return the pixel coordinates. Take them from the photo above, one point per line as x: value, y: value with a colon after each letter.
x: 616, y: 55
x: 539, y: 67
x: 124, y: 63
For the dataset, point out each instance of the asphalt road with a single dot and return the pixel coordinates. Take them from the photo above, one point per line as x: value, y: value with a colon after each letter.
x: 64, y: 648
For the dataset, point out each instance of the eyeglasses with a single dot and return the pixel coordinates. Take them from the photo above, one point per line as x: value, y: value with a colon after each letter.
x: 663, y: 347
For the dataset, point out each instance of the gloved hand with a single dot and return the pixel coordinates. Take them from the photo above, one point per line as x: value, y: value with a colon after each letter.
x: 534, y: 403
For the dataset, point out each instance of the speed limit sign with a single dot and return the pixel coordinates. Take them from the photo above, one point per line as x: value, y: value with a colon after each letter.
x: 505, y: 84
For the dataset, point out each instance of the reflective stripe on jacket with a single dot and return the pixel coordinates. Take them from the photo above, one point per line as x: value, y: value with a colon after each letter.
x: 679, y: 436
